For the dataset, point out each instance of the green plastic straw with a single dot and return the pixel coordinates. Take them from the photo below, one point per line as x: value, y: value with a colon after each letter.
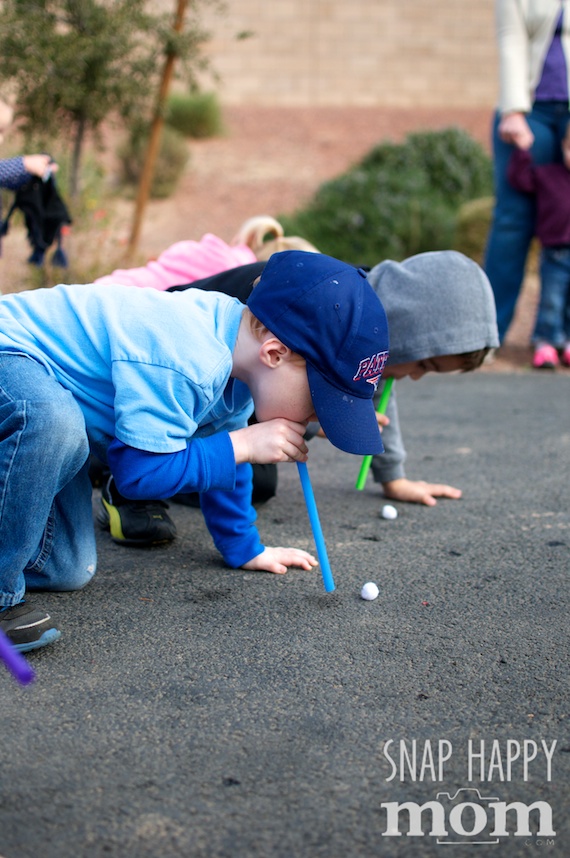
x: 367, y: 460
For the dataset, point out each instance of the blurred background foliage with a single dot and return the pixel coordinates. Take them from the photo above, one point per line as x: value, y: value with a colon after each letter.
x: 400, y: 199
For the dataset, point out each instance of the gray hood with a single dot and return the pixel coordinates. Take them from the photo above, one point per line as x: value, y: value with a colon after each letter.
x: 437, y: 303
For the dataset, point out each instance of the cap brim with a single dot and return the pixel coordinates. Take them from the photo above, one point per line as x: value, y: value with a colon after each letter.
x: 348, y: 422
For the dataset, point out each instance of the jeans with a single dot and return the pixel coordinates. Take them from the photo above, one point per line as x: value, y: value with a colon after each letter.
x: 47, y: 538
x: 553, y: 314
x: 513, y: 218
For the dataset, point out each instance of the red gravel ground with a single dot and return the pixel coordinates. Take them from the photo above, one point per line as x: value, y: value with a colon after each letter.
x: 269, y: 161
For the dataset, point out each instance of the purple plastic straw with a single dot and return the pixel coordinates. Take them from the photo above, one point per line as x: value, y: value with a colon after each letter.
x: 15, y: 662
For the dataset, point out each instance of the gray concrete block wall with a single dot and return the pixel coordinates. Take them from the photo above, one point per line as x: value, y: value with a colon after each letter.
x: 397, y: 53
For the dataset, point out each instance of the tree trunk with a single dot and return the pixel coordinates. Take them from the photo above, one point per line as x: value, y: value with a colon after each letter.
x: 76, y: 159
x: 154, y: 137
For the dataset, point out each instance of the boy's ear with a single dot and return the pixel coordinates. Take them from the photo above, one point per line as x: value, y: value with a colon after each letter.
x: 272, y: 352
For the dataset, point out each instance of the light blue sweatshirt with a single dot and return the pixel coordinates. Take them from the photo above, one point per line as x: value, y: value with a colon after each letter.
x: 151, y: 372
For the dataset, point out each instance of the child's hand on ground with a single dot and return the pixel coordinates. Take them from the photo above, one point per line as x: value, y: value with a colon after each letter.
x: 419, y: 491
x: 269, y: 442
x: 278, y: 559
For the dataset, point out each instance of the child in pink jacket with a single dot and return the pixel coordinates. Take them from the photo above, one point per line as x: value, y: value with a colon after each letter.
x: 187, y: 261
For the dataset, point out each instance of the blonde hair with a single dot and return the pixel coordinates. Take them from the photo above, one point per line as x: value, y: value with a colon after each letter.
x: 257, y: 328
x: 261, y: 332
x: 264, y: 235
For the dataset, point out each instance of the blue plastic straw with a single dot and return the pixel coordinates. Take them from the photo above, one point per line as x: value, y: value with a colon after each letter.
x: 316, y: 527
x: 15, y: 662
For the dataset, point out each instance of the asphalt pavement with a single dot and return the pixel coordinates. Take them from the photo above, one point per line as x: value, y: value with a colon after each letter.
x: 193, y: 710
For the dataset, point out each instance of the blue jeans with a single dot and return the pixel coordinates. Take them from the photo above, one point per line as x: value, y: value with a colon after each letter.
x: 514, y: 215
x: 47, y: 538
x: 553, y: 314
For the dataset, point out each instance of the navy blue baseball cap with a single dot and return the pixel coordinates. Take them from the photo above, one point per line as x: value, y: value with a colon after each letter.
x: 327, y: 312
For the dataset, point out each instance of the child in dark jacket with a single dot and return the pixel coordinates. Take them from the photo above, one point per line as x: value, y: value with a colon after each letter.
x: 15, y: 172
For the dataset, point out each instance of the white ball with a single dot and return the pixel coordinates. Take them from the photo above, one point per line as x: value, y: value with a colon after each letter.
x: 369, y: 591
x: 389, y: 511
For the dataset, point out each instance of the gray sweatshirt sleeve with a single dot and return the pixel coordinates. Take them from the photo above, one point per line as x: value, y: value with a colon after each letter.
x: 389, y: 465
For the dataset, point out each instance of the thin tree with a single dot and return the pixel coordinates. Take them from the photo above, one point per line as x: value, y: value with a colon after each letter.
x: 155, y: 130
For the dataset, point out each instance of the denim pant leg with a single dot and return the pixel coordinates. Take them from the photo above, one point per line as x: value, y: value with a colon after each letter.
x: 509, y: 239
x: 69, y: 558
x: 514, y: 216
x: 46, y: 527
x: 554, y: 293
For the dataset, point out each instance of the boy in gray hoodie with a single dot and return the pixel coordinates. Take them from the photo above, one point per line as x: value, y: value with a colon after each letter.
x: 441, y: 317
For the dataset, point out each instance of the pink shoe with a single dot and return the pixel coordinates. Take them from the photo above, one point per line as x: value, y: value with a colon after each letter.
x: 545, y: 357
x: 565, y: 355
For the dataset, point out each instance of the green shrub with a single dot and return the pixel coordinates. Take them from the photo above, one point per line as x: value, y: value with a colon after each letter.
x: 171, y: 161
x: 196, y: 115
x: 399, y: 200
x: 472, y: 228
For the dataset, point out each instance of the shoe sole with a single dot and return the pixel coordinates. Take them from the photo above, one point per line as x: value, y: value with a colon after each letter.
x: 140, y: 543
x: 48, y: 637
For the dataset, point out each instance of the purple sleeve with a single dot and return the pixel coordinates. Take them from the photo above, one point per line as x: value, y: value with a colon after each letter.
x: 13, y: 173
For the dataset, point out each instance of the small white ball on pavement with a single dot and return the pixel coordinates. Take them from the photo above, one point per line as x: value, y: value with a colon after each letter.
x: 389, y: 511
x: 369, y: 591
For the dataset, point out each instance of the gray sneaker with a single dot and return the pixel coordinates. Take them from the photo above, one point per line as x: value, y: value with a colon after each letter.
x: 27, y: 628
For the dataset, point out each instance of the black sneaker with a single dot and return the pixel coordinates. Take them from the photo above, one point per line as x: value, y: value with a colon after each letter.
x: 134, y: 522
x: 27, y: 628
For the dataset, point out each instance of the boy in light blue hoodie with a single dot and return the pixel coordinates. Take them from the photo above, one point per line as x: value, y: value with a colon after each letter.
x: 162, y: 385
